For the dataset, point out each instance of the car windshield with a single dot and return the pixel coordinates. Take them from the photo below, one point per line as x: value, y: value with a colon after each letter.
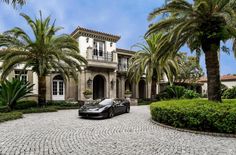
x: 106, y: 102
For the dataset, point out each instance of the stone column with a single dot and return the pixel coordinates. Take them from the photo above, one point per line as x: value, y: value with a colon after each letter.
x: 149, y: 89
x: 135, y: 90
x: 122, y: 84
x: 157, y: 88
x: 114, y: 56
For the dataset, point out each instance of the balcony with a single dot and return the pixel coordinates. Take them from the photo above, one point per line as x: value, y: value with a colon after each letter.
x: 101, y: 60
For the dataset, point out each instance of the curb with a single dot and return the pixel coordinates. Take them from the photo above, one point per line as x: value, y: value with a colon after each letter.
x: 194, y: 131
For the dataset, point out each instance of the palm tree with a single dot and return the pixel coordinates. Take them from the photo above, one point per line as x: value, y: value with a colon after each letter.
x: 146, y: 62
x: 202, y: 24
x: 45, y: 52
x: 15, y: 2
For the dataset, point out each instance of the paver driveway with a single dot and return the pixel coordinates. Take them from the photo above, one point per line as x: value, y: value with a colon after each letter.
x: 64, y: 133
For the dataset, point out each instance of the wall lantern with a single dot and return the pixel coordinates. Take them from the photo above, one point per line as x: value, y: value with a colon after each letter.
x: 87, y: 40
x: 111, y: 44
x: 89, y: 82
x: 112, y: 84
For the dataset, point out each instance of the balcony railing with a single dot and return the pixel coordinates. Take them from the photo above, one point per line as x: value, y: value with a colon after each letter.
x: 100, y: 56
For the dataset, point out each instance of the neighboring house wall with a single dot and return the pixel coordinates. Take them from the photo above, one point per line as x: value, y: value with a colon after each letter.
x: 228, y: 84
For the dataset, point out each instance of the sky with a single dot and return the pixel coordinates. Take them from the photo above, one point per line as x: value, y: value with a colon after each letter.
x: 127, y: 18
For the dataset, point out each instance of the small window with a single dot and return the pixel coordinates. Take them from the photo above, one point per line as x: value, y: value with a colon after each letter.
x: 21, y: 75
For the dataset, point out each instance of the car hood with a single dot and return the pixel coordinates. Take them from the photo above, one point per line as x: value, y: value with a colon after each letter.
x: 91, y: 107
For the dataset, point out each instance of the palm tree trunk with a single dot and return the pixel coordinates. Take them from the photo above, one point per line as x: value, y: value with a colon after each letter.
x: 213, y: 71
x: 42, y: 90
x: 153, y: 88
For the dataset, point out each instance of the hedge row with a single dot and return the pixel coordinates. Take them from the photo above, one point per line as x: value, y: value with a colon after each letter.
x: 198, y: 114
x: 38, y: 110
x: 10, y: 116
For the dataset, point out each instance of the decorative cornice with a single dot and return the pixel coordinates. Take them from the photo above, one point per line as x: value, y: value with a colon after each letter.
x: 80, y: 31
x: 125, y: 52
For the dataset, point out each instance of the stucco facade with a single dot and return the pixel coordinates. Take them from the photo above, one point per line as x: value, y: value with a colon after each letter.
x: 227, y: 80
x: 105, y: 73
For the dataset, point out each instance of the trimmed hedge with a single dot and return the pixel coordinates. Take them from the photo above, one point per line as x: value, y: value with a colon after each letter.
x: 38, y: 110
x: 197, y: 114
x: 26, y: 104
x: 64, y: 104
x: 10, y: 116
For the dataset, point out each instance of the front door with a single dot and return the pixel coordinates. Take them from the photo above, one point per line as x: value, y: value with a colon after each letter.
x: 58, y: 92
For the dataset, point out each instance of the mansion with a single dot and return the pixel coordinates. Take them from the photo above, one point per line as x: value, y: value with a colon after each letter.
x: 105, y: 73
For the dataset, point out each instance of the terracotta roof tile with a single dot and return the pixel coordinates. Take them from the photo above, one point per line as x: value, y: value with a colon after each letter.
x: 222, y: 78
x: 82, y: 31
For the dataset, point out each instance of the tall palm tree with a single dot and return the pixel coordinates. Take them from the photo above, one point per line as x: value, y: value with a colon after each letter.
x: 44, y: 52
x: 202, y: 24
x: 15, y: 2
x: 146, y: 62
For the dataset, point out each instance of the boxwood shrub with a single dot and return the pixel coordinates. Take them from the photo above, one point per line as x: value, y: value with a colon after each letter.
x: 197, y: 114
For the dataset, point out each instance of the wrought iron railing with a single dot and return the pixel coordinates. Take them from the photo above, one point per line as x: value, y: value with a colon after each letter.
x: 102, y: 56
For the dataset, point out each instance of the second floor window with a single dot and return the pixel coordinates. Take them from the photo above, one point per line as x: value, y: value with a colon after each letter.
x: 99, y: 48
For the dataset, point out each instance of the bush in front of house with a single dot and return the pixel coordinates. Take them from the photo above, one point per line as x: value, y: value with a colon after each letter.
x: 13, y: 91
x: 145, y: 101
x: 10, y: 116
x: 177, y: 92
x: 229, y: 93
x: 26, y: 104
x: 65, y: 104
x: 190, y: 94
x: 197, y: 114
x: 38, y: 110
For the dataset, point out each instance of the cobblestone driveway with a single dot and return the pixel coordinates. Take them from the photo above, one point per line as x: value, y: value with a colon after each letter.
x: 64, y: 133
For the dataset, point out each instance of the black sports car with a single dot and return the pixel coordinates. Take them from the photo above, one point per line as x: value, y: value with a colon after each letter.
x: 106, y: 108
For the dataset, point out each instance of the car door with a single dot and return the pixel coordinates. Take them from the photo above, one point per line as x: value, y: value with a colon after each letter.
x: 122, y: 106
x: 116, y: 107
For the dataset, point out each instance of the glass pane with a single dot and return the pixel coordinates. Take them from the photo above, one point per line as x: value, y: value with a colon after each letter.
x: 24, y: 78
x: 54, y: 88
x: 101, y: 48
x: 60, y: 88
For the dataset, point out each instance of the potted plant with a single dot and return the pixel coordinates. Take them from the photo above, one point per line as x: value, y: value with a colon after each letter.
x: 128, y: 93
x: 88, y: 93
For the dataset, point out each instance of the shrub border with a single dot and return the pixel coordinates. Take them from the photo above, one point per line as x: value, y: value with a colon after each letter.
x: 215, y: 134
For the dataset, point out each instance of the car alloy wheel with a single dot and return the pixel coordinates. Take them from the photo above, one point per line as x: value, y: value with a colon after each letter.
x: 127, y: 109
x: 110, y: 113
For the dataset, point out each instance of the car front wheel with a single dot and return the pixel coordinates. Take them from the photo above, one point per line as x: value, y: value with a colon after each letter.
x: 110, y: 113
x: 127, y: 109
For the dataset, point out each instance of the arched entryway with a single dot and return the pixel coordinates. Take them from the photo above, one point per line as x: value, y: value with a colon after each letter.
x: 142, y: 89
x: 58, y: 88
x: 98, y: 87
